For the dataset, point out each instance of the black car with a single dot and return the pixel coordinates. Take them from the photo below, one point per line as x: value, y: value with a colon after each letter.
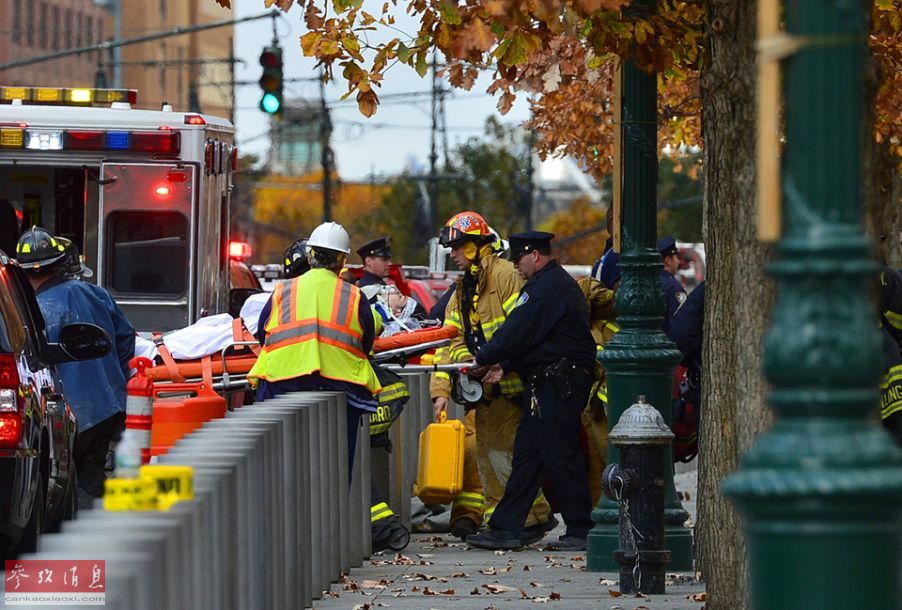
x: 37, y: 426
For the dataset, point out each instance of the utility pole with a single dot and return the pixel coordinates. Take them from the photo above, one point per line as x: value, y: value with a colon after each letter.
x: 325, y: 132
x: 433, y: 155
x: 530, y: 185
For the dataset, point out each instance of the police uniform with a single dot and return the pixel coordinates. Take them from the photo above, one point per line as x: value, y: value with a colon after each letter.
x: 674, y: 293
x: 377, y: 247
x: 547, y: 340
x: 607, y: 268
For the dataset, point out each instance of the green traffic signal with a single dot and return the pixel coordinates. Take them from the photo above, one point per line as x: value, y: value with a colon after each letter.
x: 271, y: 80
x: 270, y: 103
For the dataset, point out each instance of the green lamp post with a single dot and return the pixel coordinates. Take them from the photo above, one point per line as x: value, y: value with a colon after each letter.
x: 640, y: 359
x: 821, y: 492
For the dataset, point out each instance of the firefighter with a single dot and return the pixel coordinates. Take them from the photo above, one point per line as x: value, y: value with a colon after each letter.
x: 600, y: 305
x: 482, y: 300
x: 547, y: 340
x: 319, y: 332
x: 94, y: 388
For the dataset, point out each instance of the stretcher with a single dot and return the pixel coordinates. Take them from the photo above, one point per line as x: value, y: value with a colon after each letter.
x: 244, y: 354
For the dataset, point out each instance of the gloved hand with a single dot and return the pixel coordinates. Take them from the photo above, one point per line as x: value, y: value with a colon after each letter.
x: 439, y: 405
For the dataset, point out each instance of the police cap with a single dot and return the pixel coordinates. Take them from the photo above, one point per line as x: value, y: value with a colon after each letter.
x: 667, y: 246
x: 524, y: 243
x: 377, y: 247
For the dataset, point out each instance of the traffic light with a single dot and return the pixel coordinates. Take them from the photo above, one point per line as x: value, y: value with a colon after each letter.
x: 271, y: 80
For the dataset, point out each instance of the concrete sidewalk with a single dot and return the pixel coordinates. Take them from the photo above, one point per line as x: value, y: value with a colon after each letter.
x: 440, y: 572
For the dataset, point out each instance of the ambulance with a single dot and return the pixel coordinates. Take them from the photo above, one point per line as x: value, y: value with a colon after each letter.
x: 143, y: 193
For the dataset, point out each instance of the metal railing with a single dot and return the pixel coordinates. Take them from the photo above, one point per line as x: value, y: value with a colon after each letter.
x: 273, y: 522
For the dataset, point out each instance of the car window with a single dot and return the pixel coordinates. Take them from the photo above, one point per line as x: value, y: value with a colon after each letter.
x: 35, y: 347
x: 12, y: 329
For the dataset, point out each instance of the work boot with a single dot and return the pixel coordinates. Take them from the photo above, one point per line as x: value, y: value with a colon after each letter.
x: 534, y: 533
x: 463, y: 527
x: 495, y: 540
x: 568, y: 543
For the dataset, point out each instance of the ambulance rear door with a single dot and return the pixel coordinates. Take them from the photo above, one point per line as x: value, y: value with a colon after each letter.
x: 147, y: 240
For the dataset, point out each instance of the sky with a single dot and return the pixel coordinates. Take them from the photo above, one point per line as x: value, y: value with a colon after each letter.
x: 384, y: 144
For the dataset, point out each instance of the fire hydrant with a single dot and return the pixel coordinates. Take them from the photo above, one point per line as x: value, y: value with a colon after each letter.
x: 637, y: 485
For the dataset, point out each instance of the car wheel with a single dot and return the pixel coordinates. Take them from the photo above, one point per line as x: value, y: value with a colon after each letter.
x: 68, y: 509
x: 29, y: 541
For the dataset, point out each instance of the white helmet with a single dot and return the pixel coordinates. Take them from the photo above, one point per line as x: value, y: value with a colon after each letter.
x: 330, y: 236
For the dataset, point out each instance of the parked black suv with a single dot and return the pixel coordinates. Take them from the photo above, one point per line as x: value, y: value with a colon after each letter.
x: 37, y: 426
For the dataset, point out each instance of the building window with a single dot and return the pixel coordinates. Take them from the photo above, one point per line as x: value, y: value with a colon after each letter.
x: 17, y: 20
x: 163, y: 11
x: 57, y: 28
x: 69, y: 23
x: 76, y: 27
x: 89, y: 31
x: 29, y: 25
x: 43, y: 25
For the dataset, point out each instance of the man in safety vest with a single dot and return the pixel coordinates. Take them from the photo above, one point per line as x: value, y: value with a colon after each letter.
x: 482, y: 300
x: 319, y: 333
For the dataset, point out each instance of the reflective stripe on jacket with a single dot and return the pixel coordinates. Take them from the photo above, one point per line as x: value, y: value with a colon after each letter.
x: 313, y: 328
x: 498, y: 288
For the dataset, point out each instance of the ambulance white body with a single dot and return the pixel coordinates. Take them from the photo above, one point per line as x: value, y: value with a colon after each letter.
x: 144, y: 194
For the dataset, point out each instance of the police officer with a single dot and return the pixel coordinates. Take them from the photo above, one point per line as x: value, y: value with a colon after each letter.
x: 674, y: 293
x: 376, y: 256
x: 546, y: 339
x: 607, y: 268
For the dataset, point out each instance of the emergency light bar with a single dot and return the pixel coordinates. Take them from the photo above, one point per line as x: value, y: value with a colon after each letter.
x: 162, y: 141
x: 240, y: 250
x: 62, y: 96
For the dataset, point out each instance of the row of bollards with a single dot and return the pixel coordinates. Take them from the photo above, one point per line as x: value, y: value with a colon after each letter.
x: 273, y: 522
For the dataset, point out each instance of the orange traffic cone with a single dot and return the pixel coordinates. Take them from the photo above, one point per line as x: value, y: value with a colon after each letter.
x: 139, y: 405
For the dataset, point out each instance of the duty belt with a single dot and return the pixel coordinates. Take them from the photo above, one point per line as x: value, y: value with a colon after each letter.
x: 558, y: 374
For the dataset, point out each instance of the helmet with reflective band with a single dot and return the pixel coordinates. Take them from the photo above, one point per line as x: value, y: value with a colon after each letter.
x: 73, y: 264
x: 294, y: 261
x: 38, y: 248
x: 466, y: 226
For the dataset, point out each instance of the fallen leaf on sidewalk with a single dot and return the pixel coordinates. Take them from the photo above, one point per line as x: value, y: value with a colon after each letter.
x: 499, y: 552
x: 614, y: 593
x: 498, y: 588
x: 489, y: 571
x: 460, y: 575
x: 373, y: 584
x: 554, y: 595
x: 504, y: 569
x: 567, y: 580
x: 415, y: 589
x: 536, y: 584
x: 428, y: 591
x: 447, y: 592
x: 527, y: 569
x: 420, y: 576
x: 698, y: 597
x: 577, y: 558
x: 475, y: 591
x: 607, y: 582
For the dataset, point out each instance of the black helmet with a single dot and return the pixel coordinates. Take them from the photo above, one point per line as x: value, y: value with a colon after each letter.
x: 37, y: 248
x: 72, y: 264
x: 295, y: 261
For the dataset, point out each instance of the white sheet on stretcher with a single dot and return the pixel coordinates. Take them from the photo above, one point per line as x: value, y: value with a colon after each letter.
x: 207, y: 336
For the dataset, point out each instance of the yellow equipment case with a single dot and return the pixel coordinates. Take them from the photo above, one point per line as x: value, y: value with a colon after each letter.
x: 441, y: 466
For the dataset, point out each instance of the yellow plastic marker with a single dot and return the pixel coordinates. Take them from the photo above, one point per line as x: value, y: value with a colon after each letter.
x: 173, y: 483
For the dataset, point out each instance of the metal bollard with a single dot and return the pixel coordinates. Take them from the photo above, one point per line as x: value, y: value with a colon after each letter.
x: 637, y: 484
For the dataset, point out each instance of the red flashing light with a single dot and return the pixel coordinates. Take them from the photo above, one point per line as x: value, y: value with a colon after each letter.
x: 10, y: 430
x: 162, y: 190
x: 165, y: 128
x: 194, y: 119
x: 156, y: 141
x: 239, y: 250
x: 19, y: 125
x: 268, y: 59
x: 175, y: 176
x: 85, y: 140
x: 9, y: 374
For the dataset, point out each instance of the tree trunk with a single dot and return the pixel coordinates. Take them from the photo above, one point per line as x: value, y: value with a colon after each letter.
x: 738, y: 295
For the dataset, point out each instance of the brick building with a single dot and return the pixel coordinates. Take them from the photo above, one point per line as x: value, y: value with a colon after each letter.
x: 40, y: 27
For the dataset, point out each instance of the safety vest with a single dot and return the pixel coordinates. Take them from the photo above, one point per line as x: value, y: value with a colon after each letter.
x: 313, y: 328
